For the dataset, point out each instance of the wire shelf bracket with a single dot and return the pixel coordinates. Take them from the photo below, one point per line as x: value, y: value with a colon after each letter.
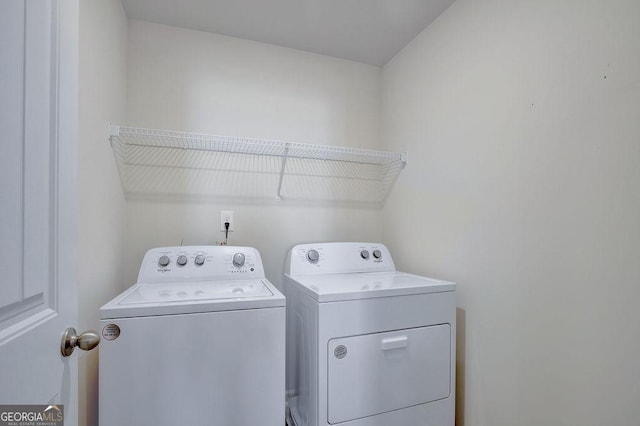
x: 163, y: 164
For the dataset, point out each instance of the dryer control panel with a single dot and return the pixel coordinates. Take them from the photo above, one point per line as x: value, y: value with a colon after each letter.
x: 200, y: 263
x: 339, y: 258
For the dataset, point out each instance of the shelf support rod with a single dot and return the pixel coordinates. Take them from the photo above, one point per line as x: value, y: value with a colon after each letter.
x: 113, y: 130
x: 404, y: 158
x: 282, y: 166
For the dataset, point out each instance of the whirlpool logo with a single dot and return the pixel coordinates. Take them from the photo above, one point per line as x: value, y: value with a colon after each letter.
x: 31, y: 415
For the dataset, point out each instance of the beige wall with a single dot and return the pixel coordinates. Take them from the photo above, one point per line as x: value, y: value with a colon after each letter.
x: 522, y: 122
x: 522, y: 182
x: 102, y: 88
x: 200, y: 82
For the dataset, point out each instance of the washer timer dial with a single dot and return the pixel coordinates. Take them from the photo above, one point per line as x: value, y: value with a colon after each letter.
x: 313, y: 256
x: 238, y: 259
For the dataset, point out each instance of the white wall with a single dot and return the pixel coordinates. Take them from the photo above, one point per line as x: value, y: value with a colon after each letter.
x: 102, y: 88
x: 200, y: 82
x: 522, y: 121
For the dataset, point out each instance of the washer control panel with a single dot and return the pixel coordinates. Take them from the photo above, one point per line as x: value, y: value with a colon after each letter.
x: 339, y: 258
x: 200, y: 263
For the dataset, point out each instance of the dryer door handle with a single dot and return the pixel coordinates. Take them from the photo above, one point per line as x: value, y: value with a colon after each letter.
x: 394, y: 343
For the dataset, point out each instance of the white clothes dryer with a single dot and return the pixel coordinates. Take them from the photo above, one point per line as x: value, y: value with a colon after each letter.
x: 199, y: 340
x: 367, y: 345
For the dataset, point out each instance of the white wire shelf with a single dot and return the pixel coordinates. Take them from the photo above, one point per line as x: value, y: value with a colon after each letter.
x: 176, y: 165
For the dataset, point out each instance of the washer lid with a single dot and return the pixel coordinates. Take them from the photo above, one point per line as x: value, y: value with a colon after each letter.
x: 337, y: 287
x: 192, y: 297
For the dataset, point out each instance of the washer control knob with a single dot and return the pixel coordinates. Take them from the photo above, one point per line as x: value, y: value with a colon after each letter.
x: 364, y: 254
x: 182, y: 260
x: 238, y: 259
x: 199, y: 260
x: 377, y: 254
x: 313, y: 256
x: 164, y: 261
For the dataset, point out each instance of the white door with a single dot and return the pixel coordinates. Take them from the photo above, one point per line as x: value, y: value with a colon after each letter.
x: 38, y: 124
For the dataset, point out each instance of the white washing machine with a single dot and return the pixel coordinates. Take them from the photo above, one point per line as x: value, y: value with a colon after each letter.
x: 199, y: 340
x: 367, y: 345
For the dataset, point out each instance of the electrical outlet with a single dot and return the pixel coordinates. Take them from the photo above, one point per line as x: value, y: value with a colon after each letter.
x: 226, y: 216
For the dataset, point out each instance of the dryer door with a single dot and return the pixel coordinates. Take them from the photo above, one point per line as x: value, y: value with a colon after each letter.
x: 375, y: 373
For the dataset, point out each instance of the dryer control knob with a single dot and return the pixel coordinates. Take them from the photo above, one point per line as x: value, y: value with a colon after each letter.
x: 313, y: 256
x: 364, y: 254
x: 238, y: 259
x: 182, y: 260
x: 199, y: 260
x: 164, y: 261
x: 377, y: 254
